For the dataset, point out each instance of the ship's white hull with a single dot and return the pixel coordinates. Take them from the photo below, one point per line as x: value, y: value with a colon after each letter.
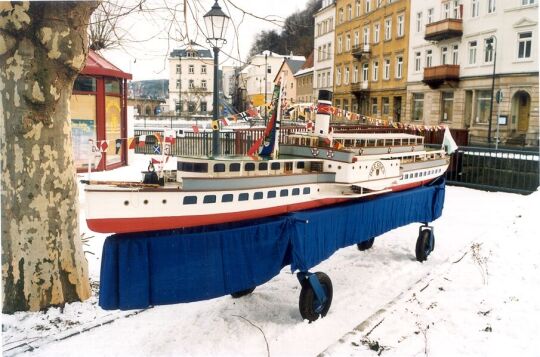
x: 112, y: 209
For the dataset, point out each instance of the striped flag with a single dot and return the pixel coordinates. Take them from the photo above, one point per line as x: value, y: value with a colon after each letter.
x: 142, y: 139
x: 225, y: 121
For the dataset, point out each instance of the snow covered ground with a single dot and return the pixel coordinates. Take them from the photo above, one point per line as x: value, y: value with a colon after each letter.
x: 476, y: 295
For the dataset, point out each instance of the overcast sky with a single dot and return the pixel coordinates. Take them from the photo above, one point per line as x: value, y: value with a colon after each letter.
x: 153, y: 34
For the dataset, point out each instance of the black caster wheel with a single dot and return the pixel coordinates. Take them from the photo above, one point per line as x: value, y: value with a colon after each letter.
x: 425, y: 244
x: 310, y: 306
x: 241, y: 293
x: 365, y: 245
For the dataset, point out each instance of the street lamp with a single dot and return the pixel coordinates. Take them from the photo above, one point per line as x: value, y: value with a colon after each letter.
x: 216, y: 22
x: 490, y: 47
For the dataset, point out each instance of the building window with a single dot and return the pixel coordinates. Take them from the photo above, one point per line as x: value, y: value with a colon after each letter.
x: 191, y: 84
x: 444, y: 55
x: 177, y: 84
x: 178, y: 69
x: 203, y: 84
x: 357, y: 8
x: 366, y: 35
x: 319, y: 80
x: 349, y: 12
x: 455, y: 54
x: 483, y: 102
x: 355, y: 74
x: 475, y: 8
x: 524, y: 45
x: 376, y: 32
x: 346, y: 79
x: 319, y: 26
x: 446, y: 10
x: 203, y: 69
x: 340, y: 16
x: 447, y: 106
x: 348, y: 42
x: 491, y: 6
x: 338, y: 77
x: 328, y: 79
x: 191, y: 69
x: 385, y: 105
x: 386, y: 70
x: 527, y: 2
x: 399, y: 67
x: 488, y: 50
x: 388, y: 29
x: 374, y: 106
x: 204, y: 106
x: 419, y: 22
x: 339, y: 45
x: 417, y: 106
x: 400, y: 25
x: 429, y: 58
x: 368, y: 6
x: 455, y: 9
x: 319, y: 53
x: 417, y: 61
x: 472, y: 52
x: 430, y: 15
x: 375, y: 71
x: 365, y: 72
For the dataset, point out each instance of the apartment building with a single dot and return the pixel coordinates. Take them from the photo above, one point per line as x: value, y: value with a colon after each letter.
x: 286, y: 73
x: 323, y: 57
x: 371, y: 53
x: 304, y: 82
x: 462, y: 52
x: 191, y: 79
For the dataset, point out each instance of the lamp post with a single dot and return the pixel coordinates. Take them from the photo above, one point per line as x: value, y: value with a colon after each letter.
x: 490, y: 47
x: 216, y: 22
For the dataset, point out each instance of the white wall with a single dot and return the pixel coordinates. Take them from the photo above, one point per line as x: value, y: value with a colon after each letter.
x: 325, y: 63
x: 509, y: 19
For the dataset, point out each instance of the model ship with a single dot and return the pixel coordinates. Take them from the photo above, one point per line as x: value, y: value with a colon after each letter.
x: 308, y: 170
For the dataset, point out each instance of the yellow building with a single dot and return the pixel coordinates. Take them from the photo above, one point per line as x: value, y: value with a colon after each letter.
x: 371, y: 52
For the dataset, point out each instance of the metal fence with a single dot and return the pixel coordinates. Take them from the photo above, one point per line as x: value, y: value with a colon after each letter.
x: 235, y: 142
x: 514, y: 171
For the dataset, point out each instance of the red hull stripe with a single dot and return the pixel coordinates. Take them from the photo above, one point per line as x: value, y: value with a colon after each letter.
x: 141, y: 224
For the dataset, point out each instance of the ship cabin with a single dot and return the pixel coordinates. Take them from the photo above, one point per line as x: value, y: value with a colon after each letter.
x: 245, y: 167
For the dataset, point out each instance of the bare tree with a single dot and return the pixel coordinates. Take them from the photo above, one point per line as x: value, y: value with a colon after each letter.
x: 104, y: 31
x: 43, y: 46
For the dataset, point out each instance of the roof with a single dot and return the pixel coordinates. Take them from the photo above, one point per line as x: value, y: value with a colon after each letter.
x: 96, y: 65
x: 201, y: 51
x: 309, y: 61
x: 303, y: 72
x: 294, y: 65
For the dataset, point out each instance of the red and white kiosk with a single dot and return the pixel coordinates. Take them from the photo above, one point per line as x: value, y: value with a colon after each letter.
x: 99, y: 112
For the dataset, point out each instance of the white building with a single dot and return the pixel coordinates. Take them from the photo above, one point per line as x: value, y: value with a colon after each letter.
x: 191, y: 73
x: 256, y: 79
x: 454, y: 48
x: 323, y: 56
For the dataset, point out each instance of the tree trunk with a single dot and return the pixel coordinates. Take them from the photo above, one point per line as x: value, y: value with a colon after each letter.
x: 43, y: 46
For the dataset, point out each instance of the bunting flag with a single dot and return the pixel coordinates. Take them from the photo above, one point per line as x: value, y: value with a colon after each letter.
x: 225, y: 121
x: 103, y: 145
x: 195, y: 129
x: 142, y: 140
x: 118, y: 145
x: 170, y: 136
x: 155, y: 161
x: 252, y: 112
x: 243, y: 116
x: 131, y: 143
x: 158, y: 137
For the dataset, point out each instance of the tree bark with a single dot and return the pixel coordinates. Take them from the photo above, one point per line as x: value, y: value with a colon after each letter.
x: 43, y: 46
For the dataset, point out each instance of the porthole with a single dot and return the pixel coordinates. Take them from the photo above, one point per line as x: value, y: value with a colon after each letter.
x: 145, y: 202
x: 329, y: 166
x: 339, y: 167
x: 164, y: 201
x: 126, y: 203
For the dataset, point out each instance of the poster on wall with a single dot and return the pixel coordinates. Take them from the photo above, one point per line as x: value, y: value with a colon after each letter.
x: 82, y: 130
x: 113, y: 127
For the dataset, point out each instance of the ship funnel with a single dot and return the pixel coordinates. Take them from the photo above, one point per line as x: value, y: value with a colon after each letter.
x: 324, y: 109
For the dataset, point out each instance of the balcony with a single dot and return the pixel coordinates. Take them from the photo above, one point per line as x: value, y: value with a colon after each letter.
x: 360, y: 86
x: 444, y: 29
x: 435, y: 76
x: 360, y: 50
